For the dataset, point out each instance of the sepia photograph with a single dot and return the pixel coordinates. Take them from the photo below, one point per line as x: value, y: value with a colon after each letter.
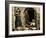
x: 25, y: 18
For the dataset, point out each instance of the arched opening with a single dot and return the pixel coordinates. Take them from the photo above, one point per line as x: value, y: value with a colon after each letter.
x: 30, y: 17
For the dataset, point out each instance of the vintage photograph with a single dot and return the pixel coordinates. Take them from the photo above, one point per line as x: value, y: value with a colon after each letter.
x: 25, y: 18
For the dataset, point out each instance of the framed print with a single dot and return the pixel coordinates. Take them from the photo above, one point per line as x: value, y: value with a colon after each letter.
x: 24, y: 18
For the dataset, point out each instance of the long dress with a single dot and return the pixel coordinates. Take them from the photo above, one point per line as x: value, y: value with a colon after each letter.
x: 18, y: 21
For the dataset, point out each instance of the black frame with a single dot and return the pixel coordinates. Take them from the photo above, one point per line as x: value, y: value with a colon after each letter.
x: 7, y: 17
